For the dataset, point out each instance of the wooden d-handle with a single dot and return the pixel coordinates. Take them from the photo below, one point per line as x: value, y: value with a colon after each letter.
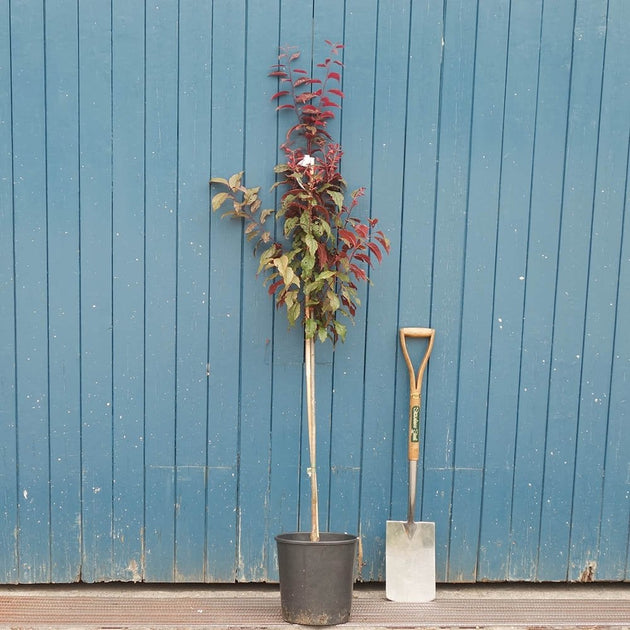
x: 415, y: 385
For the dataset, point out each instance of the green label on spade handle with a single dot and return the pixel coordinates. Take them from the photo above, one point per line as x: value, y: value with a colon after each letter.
x: 415, y: 424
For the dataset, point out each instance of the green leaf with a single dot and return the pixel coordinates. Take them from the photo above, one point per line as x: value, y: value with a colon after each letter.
x: 337, y: 197
x: 317, y: 229
x: 219, y: 199
x: 289, y: 276
x: 322, y: 334
x: 311, y: 243
x: 281, y: 264
x: 250, y: 196
x: 266, y: 257
x: 293, y: 313
x: 326, y: 227
x: 333, y: 300
x: 310, y: 327
x: 308, y: 262
x: 305, y: 221
x: 266, y: 213
x: 312, y: 287
x: 341, y: 330
x: 289, y: 225
x: 235, y: 181
x: 324, y: 275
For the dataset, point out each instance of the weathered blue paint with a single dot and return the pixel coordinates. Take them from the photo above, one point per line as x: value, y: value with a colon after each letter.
x: 128, y: 263
x: 151, y: 399
x: 63, y: 238
x: 8, y: 403
x: 30, y: 268
x: 161, y: 115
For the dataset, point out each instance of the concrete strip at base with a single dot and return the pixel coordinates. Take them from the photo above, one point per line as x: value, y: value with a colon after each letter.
x: 169, y: 607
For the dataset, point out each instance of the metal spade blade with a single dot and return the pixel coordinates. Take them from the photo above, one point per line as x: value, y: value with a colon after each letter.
x: 410, y: 561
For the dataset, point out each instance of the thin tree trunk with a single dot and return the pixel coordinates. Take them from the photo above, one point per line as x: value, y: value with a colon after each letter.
x: 309, y: 351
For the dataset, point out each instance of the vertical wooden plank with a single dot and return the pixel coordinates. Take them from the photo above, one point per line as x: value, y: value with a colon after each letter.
x: 418, y: 218
x: 161, y: 79
x: 571, y: 289
x: 417, y: 228
x: 617, y: 455
x: 195, y: 28
x: 8, y: 407
x: 390, y: 90
x: 31, y: 290
x: 520, y: 109
x: 288, y: 470
x: 128, y: 288
x: 228, y: 102
x: 601, y: 304
x: 95, y: 106
x: 255, y: 540
x: 349, y: 358
x: 482, y: 221
x: 448, y: 267
x: 545, y: 210
x: 328, y: 24
x: 615, y: 518
x: 62, y: 159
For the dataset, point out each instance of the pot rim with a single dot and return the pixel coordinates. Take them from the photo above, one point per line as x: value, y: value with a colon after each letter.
x: 325, y: 538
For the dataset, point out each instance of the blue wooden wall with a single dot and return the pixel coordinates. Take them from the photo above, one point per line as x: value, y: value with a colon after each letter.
x: 151, y: 398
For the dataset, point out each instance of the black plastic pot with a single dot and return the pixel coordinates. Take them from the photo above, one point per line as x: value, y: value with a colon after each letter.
x: 316, y: 578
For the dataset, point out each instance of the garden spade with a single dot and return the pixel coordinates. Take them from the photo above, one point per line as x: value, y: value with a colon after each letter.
x: 410, y: 545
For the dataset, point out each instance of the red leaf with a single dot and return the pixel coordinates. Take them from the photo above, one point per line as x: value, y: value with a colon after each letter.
x: 358, y: 272
x: 275, y: 286
x: 362, y: 230
x: 294, y: 56
x: 277, y: 73
x: 348, y: 237
x: 311, y: 109
x: 334, y: 75
x: 382, y: 240
x: 374, y: 248
x: 285, y: 106
x: 322, y: 255
x: 326, y: 102
x: 279, y: 94
x: 352, y: 309
x: 299, y: 71
x: 337, y: 92
x: 306, y: 96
